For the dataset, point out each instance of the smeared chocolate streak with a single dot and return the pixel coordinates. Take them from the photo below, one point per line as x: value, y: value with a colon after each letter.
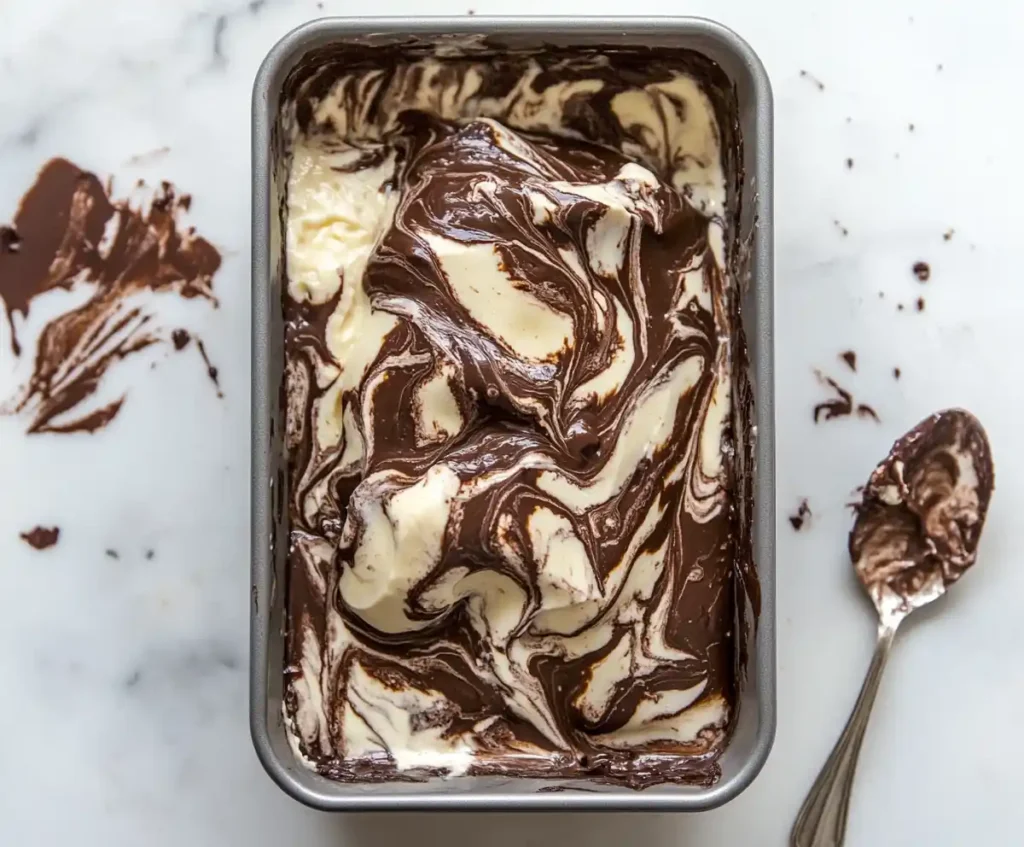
x: 41, y: 537
x: 68, y: 232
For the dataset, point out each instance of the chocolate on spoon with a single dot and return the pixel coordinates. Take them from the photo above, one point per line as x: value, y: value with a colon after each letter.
x: 916, y: 533
x: 923, y: 508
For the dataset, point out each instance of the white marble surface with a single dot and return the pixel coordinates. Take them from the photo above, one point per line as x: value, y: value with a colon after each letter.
x: 124, y: 681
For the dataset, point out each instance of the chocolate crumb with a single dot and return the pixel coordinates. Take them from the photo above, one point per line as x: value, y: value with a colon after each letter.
x: 112, y: 554
x: 842, y: 405
x: 849, y: 163
x: 881, y: 295
x: 150, y: 554
x: 849, y: 120
x: 899, y: 307
x: 910, y: 127
x: 896, y: 373
x: 938, y: 67
x: 837, y: 408
x: 471, y: 11
x: 865, y: 411
x: 10, y: 241
x: 948, y: 234
x: 920, y: 304
x: 180, y: 338
x: 41, y: 537
x: 803, y: 513
x: 842, y: 228
x: 211, y: 371
x: 923, y: 271
x: 850, y: 357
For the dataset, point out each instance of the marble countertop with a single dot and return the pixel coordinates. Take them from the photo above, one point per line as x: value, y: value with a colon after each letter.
x: 124, y: 646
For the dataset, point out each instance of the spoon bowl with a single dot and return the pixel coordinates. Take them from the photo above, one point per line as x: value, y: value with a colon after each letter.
x: 916, y: 533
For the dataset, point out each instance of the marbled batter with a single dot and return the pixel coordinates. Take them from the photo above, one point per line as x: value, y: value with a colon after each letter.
x: 509, y: 422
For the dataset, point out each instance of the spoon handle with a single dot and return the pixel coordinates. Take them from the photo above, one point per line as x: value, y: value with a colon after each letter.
x: 822, y: 818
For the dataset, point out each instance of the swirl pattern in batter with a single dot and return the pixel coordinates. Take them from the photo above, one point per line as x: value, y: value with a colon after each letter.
x: 509, y: 423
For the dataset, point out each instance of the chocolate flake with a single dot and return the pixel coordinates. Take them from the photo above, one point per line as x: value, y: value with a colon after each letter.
x: 112, y: 554
x: 850, y: 357
x: 920, y: 304
x: 948, y: 234
x: 211, y: 371
x: 41, y: 537
x: 896, y: 373
x: 865, y: 411
x: 180, y: 338
x: 73, y: 233
x: 802, y: 515
x: 841, y: 406
x: 923, y: 271
x: 849, y: 163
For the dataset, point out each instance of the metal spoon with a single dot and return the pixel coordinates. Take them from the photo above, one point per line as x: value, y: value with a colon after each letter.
x: 916, y: 534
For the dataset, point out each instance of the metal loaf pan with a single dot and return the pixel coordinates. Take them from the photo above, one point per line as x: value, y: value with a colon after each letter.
x: 755, y: 727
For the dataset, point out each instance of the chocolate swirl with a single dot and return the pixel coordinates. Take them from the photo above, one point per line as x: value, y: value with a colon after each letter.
x: 509, y: 387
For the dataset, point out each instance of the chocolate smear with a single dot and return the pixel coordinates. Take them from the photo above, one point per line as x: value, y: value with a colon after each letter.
x: 922, y: 511
x: 41, y: 537
x: 72, y: 233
